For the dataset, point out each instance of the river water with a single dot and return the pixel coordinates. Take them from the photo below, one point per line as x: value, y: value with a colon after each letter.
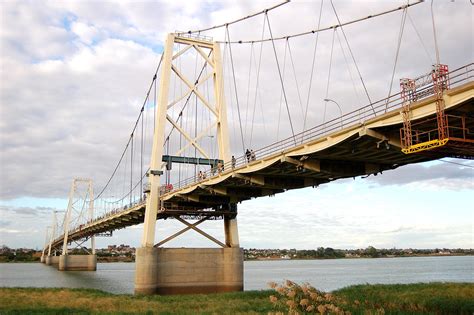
x: 325, y: 275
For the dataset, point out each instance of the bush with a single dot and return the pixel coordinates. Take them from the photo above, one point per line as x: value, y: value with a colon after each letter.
x: 292, y: 298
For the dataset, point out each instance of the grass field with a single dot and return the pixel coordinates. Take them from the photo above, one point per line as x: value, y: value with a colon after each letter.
x: 431, y: 298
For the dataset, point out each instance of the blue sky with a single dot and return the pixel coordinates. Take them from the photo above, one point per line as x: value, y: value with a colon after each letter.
x: 74, y: 75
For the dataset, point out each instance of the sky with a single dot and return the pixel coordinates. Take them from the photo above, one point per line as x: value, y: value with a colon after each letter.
x: 73, y: 76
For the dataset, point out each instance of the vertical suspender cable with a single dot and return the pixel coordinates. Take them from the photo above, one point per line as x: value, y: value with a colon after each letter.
x: 180, y: 146
x: 312, y: 68
x: 154, y: 107
x: 281, y: 93
x: 434, y: 34
x: 229, y: 88
x: 353, y: 58
x: 329, y: 74
x: 258, y: 81
x: 167, y: 153
x: 235, y: 89
x: 400, y: 35
x: 125, y: 165
x: 294, y: 75
x: 248, y: 91
x: 281, y: 78
x: 195, y: 110
x: 419, y: 37
x: 348, y: 69
x: 131, y: 169
x: 141, y: 160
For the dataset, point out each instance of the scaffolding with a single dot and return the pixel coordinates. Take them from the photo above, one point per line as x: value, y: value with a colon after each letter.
x: 421, y: 136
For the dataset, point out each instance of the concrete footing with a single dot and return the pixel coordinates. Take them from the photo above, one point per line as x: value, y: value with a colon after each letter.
x: 42, y: 259
x: 188, y: 270
x: 77, y: 263
x: 52, y: 261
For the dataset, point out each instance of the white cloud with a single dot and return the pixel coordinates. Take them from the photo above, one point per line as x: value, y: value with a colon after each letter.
x: 87, y: 33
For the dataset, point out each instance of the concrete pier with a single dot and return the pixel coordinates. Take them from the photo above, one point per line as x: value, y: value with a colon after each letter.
x: 43, y: 259
x: 77, y: 263
x: 188, y: 270
x: 52, y: 261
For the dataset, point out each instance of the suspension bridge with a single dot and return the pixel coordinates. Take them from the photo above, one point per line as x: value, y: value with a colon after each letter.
x: 182, y: 133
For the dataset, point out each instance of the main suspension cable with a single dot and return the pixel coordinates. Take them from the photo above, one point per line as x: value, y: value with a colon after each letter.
x: 133, y: 130
x: 235, y: 21
x: 322, y: 29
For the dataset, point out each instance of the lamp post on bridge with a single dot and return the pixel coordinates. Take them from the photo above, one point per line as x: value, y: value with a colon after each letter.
x: 337, y: 104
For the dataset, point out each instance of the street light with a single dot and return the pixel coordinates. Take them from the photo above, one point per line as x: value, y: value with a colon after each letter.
x: 340, y: 110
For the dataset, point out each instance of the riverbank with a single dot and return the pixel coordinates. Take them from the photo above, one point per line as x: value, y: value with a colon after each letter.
x: 426, y: 298
x: 108, y: 259
x: 364, y: 257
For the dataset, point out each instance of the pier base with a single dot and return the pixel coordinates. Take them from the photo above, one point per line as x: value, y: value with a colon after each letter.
x: 42, y: 259
x: 77, y: 263
x: 52, y: 261
x: 188, y: 270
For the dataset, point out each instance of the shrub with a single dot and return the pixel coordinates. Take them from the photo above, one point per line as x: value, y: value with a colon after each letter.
x: 292, y: 298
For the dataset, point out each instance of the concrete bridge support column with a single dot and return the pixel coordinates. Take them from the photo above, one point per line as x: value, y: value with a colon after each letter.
x: 188, y: 270
x: 52, y: 261
x: 77, y: 263
x: 146, y: 270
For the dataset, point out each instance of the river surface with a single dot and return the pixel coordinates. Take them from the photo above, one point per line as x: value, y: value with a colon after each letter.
x: 327, y: 275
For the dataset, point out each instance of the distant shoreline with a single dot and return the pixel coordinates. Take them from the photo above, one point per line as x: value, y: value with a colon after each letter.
x: 365, y: 257
x: 106, y: 261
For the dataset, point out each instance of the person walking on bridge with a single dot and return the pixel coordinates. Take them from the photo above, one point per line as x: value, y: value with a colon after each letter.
x: 252, y: 155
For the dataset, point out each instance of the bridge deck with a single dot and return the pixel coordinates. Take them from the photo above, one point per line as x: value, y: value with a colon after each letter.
x: 329, y: 152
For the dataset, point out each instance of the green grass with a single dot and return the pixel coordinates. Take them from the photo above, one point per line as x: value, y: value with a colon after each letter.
x: 419, y: 298
x: 87, y: 301
x: 428, y: 298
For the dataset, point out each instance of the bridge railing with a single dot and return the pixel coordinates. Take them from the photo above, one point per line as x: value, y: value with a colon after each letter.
x: 380, y: 107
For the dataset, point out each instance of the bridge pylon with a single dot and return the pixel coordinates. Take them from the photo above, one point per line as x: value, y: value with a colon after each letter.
x: 51, y: 258
x: 46, y: 243
x: 189, y: 270
x: 80, y: 209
